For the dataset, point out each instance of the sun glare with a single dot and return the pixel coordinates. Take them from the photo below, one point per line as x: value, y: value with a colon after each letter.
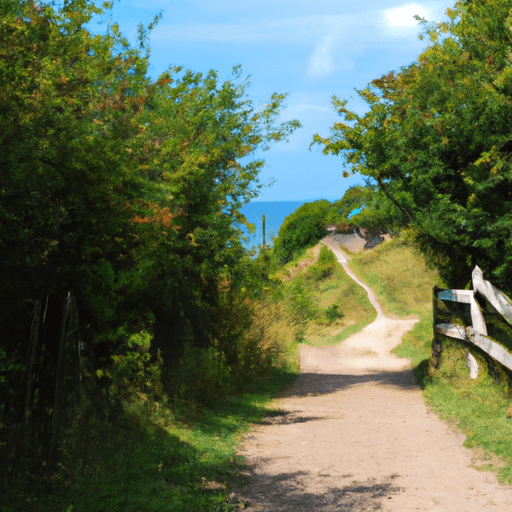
x: 404, y: 16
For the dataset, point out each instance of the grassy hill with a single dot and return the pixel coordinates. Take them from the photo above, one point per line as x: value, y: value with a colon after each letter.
x: 314, y: 302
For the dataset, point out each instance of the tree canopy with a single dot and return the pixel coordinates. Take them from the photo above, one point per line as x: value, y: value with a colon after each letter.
x: 436, y: 141
x: 120, y: 200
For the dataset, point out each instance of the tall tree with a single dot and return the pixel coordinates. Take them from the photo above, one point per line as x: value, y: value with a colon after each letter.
x: 67, y: 104
x: 120, y: 203
x: 435, y: 139
x: 196, y: 150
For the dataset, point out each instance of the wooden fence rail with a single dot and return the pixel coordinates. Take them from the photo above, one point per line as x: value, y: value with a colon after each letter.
x: 476, y: 334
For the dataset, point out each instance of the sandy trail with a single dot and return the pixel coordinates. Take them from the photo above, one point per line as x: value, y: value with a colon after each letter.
x: 355, y: 435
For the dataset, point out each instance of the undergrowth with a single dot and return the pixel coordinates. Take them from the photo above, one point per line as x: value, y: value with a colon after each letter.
x: 138, y: 448
x: 148, y: 452
x: 148, y: 455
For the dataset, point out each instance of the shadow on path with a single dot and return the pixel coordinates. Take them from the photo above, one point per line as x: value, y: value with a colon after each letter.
x: 299, y: 464
x: 351, y: 495
x: 323, y: 384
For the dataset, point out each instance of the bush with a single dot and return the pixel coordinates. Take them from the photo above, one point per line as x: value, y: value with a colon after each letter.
x: 301, y: 306
x: 257, y: 356
x: 303, y: 228
x: 133, y: 370
x: 333, y: 312
x: 324, y: 266
x: 203, y: 376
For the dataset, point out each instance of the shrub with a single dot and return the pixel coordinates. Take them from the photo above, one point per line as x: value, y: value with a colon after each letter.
x: 132, y: 370
x: 332, y: 313
x: 301, y: 305
x: 325, y: 265
x: 257, y: 355
x: 303, y: 228
x: 203, y: 376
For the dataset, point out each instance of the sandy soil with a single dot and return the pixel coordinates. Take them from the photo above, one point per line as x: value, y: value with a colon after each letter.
x: 354, y: 434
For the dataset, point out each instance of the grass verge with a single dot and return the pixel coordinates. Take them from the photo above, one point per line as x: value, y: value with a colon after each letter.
x: 146, y: 456
x: 480, y: 408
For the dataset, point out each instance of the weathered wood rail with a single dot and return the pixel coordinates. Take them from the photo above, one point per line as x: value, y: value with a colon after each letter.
x: 476, y: 334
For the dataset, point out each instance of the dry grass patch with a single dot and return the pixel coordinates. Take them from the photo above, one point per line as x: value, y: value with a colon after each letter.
x: 397, y: 273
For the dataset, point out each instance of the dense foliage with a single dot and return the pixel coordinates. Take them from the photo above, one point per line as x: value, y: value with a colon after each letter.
x: 302, y: 228
x: 120, y: 201
x: 307, y: 225
x: 363, y: 207
x: 436, y: 142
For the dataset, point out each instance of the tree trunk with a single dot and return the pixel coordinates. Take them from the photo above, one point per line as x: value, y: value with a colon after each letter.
x: 29, y: 375
x: 78, y: 356
x: 58, y: 402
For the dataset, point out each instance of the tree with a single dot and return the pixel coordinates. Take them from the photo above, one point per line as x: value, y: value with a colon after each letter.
x: 67, y: 104
x: 196, y: 137
x: 120, y: 198
x: 374, y: 215
x: 435, y: 140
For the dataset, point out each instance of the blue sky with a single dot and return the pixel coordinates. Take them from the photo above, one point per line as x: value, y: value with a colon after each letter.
x: 311, y: 50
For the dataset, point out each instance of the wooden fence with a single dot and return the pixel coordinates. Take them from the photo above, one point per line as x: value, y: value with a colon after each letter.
x: 483, y: 298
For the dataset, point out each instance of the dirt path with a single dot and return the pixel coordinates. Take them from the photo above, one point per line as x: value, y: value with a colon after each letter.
x: 355, y: 435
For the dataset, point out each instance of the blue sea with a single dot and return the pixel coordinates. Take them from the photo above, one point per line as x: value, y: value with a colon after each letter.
x: 275, y: 213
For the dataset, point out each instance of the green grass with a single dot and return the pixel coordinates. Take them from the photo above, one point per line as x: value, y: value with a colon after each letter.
x: 398, y: 275
x: 481, y: 408
x: 354, y: 305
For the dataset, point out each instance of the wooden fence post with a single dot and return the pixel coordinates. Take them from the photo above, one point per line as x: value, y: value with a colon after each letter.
x: 437, y: 346
x: 59, y: 405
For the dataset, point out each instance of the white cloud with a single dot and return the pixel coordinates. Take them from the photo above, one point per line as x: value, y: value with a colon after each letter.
x: 404, y: 16
x: 305, y: 111
x: 321, y: 62
x: 302, y: 107
x: 297, y: 30
x: 364, y: 24
x: 330, y: 40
